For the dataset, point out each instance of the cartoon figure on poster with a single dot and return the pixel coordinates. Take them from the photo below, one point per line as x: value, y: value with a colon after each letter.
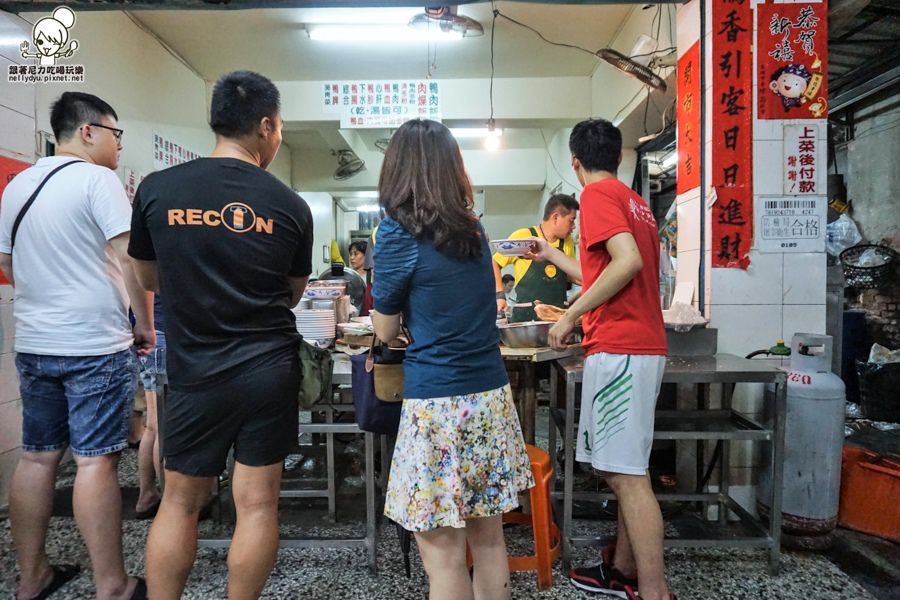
x: 50, y: 35
x: 795, y: 85
x: 792, y: 60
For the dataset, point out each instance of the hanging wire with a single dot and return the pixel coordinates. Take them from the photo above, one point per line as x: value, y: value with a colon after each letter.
x: 497, y: 13
x: 646, y: 108
x: 553, y: 163
x: 627, y: 104
x: 493, y: 31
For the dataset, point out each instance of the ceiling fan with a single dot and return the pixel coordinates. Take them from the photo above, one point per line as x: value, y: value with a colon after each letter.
x: 349, y: 164
x: 445, y: 19
x: 381, y: 144
x: 632, y: 68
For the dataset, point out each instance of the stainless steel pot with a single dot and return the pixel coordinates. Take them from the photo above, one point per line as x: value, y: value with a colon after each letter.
x: 530, y: 334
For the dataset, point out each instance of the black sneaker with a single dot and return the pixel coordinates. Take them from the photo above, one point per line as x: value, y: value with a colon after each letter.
x: 603, y: 579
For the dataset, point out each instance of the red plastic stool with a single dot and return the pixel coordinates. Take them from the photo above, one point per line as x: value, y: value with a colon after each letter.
x: 546, y: 533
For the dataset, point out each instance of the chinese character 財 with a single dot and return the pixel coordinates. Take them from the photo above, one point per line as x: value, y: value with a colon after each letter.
x: 728, y: 248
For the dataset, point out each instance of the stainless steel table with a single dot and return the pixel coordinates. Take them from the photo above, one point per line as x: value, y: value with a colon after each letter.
x: 722, y: 424
x: 340, y: 376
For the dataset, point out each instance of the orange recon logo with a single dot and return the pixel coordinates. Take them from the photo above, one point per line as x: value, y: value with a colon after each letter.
x: 235, y: 216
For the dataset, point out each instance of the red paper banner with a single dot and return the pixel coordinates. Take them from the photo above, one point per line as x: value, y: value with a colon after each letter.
x: 732, y: 130
x: 9, y: 168
x: 792, y: 59
x: 732, y: 222
x: 688, y: 119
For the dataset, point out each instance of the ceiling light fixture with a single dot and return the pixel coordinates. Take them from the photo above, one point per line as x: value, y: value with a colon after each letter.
x: 492, y: 141
x: 368, y: 208
x: 377, y: 33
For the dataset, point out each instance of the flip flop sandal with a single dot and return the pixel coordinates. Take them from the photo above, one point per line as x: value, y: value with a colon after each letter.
x: 149, y: 513
x: 62, y: 574
x: 140, y: 590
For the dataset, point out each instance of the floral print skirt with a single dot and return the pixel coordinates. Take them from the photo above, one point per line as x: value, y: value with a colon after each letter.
x: 457, y: 458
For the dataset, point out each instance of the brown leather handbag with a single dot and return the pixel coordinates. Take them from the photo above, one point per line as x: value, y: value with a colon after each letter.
x: 386, y: 366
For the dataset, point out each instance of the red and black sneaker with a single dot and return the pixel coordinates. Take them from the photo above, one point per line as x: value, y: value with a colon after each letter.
x: 602, y: 579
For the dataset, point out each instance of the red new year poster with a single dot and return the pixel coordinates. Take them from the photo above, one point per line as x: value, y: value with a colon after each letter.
x: 688, y: 119
x: 9, y: 168
x: 792, y: 59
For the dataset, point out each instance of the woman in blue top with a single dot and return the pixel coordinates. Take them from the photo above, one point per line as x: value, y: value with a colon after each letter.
x: 460, y: 459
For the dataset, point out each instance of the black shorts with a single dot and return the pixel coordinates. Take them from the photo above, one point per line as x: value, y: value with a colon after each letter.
x: 256, y: 412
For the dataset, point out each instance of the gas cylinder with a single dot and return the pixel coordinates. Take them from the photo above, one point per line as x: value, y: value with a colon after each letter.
x: 814, y: 437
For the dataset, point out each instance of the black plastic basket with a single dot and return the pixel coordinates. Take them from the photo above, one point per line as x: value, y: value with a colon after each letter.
x: 867, y: 277
x: 878, y: 385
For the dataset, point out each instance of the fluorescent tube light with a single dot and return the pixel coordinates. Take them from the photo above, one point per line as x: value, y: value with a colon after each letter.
x: 368, y: 208
x: 670, y: 160
x: 377, y: 33
x: 474, y: 132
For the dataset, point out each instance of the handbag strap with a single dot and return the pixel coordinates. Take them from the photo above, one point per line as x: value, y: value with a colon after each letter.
x: 33, y: 197
x: 370, y: 360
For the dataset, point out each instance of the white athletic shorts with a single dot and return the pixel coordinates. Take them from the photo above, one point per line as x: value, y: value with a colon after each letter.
x: 618, y: 402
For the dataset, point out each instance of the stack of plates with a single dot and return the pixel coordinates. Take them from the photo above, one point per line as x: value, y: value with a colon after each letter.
x: 316, y: 325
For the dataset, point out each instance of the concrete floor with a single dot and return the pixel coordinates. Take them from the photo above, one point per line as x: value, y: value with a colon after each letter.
x: 858, y: 567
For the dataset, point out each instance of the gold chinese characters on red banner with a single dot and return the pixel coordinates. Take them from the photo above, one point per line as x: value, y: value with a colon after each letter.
x: 732, y: 132
x: 688, y: 119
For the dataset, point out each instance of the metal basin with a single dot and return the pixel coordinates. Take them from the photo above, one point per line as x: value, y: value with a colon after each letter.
x: 530, y: 334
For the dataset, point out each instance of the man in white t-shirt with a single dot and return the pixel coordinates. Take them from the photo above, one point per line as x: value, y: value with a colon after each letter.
x: 66, y: 255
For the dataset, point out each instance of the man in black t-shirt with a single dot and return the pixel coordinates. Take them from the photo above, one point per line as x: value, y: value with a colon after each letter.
x: 229, y: 249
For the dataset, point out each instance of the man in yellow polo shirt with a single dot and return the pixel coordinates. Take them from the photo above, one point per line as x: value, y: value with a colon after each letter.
x: 540, y: 280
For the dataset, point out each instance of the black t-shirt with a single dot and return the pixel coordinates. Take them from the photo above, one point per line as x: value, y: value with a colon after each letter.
x: 226, y: 236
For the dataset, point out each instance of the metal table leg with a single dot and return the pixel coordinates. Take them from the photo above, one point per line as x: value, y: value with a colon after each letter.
x: 569, y: 445
x: 777, y: 477
x: 370, y: 503
x: 724, y: 461
x: 551, y: 424
x: 529, y: 401
x: 329, y: 465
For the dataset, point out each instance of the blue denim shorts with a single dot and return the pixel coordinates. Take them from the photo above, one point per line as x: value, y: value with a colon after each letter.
x: 82, y: 401
x: 153, y: 367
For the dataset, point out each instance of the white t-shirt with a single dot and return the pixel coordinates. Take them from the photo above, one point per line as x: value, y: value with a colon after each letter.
x: 70, y: 294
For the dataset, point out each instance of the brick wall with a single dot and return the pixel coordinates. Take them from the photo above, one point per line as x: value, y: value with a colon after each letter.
x: 882, y: 308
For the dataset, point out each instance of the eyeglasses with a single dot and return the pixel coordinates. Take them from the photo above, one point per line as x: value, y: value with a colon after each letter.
x: 117, y: 133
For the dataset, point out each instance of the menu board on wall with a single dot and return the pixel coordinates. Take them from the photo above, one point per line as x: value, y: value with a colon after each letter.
x: 688, y: 120
x: 131, y: 180
x: 9, y: 168
x: 791, y: 224
x: 732, y: 132
x: 382, y: 104
x: 167, y: 153
x: 792, y: 60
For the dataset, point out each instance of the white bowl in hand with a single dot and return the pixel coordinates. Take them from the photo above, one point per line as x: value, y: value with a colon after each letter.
x: 513, y: 247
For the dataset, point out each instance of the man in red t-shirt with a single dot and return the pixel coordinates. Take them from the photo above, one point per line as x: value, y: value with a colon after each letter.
x: 625, y: 344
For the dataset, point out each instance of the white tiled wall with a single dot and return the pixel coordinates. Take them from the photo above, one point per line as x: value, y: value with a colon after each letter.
x: 777, y: 296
